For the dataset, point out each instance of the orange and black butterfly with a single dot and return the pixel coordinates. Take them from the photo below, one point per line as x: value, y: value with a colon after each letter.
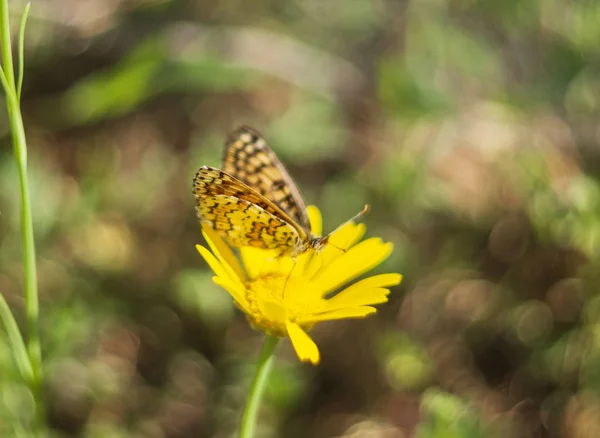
x: 252, y: 200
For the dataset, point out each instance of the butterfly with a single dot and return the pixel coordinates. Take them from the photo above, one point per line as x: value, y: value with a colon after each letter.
x: 253, y: 201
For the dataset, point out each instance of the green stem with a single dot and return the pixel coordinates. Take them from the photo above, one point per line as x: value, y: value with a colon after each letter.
x: 31, y: 289
x: 7, y: 59
x: 31, y: 292
x: 20, y: 151
x: 265, y: 363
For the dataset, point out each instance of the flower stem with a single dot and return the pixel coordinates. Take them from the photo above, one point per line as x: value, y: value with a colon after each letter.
x: 12, y: 94
x: 265, y: 364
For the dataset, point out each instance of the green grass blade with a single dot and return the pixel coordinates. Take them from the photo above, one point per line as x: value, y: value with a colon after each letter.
x: 22, y: 50
x: 17, y: 345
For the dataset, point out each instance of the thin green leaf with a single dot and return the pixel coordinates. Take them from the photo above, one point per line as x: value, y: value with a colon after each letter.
x: 15, y: 339
x: 21, y: 59
x: 7, y: 60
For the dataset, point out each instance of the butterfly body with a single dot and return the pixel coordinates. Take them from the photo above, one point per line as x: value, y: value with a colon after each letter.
x: 252, y: 200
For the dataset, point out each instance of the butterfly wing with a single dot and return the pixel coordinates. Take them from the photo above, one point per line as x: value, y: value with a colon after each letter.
x: 241, y: 215
x: 249, y: 158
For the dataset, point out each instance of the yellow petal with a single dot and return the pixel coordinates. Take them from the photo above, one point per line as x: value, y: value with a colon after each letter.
x: 274, y: 311
x: 216, y: 266
x: 347, y: 312
x: 348, y: 235
x: 342, y: 240
x: 339, y: 241
x: 305, y: 347
x: 368, y: 291
x: 300, y: 268
x: 260, y: 262
x: 315, y: 262
x: 353, y: 297
x: 223, y: 252
x: 358, y: 260
x: 286, y: 266
x: 236, y: 290
x: 255, y: 259
x: 380, y: 280
x: 315, y: 219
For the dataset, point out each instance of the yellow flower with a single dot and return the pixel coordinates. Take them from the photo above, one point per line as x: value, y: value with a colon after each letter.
x: 286, y: 297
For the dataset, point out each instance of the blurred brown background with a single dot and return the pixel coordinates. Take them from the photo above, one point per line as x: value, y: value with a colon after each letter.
x: 470, y: 126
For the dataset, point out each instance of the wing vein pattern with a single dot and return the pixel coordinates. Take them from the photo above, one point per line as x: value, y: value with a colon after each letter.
x: 241, y: 214
x: 249, y: 158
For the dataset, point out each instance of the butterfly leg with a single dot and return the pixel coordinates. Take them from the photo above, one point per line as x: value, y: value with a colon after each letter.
x: 288, y: 276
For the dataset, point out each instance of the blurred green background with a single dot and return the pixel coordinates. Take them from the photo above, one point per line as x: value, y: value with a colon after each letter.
x: 470, y: 126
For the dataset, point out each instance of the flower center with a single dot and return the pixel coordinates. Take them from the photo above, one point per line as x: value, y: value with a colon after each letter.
x: 273, y: 299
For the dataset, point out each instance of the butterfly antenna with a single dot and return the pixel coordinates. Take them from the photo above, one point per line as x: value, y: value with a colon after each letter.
x: 344, y: 250
x: 365, y: 210
x: 325, y: 239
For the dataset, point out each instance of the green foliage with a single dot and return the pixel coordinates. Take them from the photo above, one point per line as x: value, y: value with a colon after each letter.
x: 469, y: 126
x: 447, y: 416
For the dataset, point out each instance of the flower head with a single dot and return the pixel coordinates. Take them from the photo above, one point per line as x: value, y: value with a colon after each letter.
x: 285, y: 296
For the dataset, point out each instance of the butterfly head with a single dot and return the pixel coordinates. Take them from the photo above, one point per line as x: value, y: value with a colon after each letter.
x: 317, y: 243
x: 314, y: 244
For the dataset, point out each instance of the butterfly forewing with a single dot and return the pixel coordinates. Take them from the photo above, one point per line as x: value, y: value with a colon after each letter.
x: 249, y: 158
x: 242, y: 215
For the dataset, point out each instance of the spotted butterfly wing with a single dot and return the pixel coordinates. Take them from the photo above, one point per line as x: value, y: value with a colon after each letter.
x: 241, y: 215
x: 249, y: 158
x: 253, y: 201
